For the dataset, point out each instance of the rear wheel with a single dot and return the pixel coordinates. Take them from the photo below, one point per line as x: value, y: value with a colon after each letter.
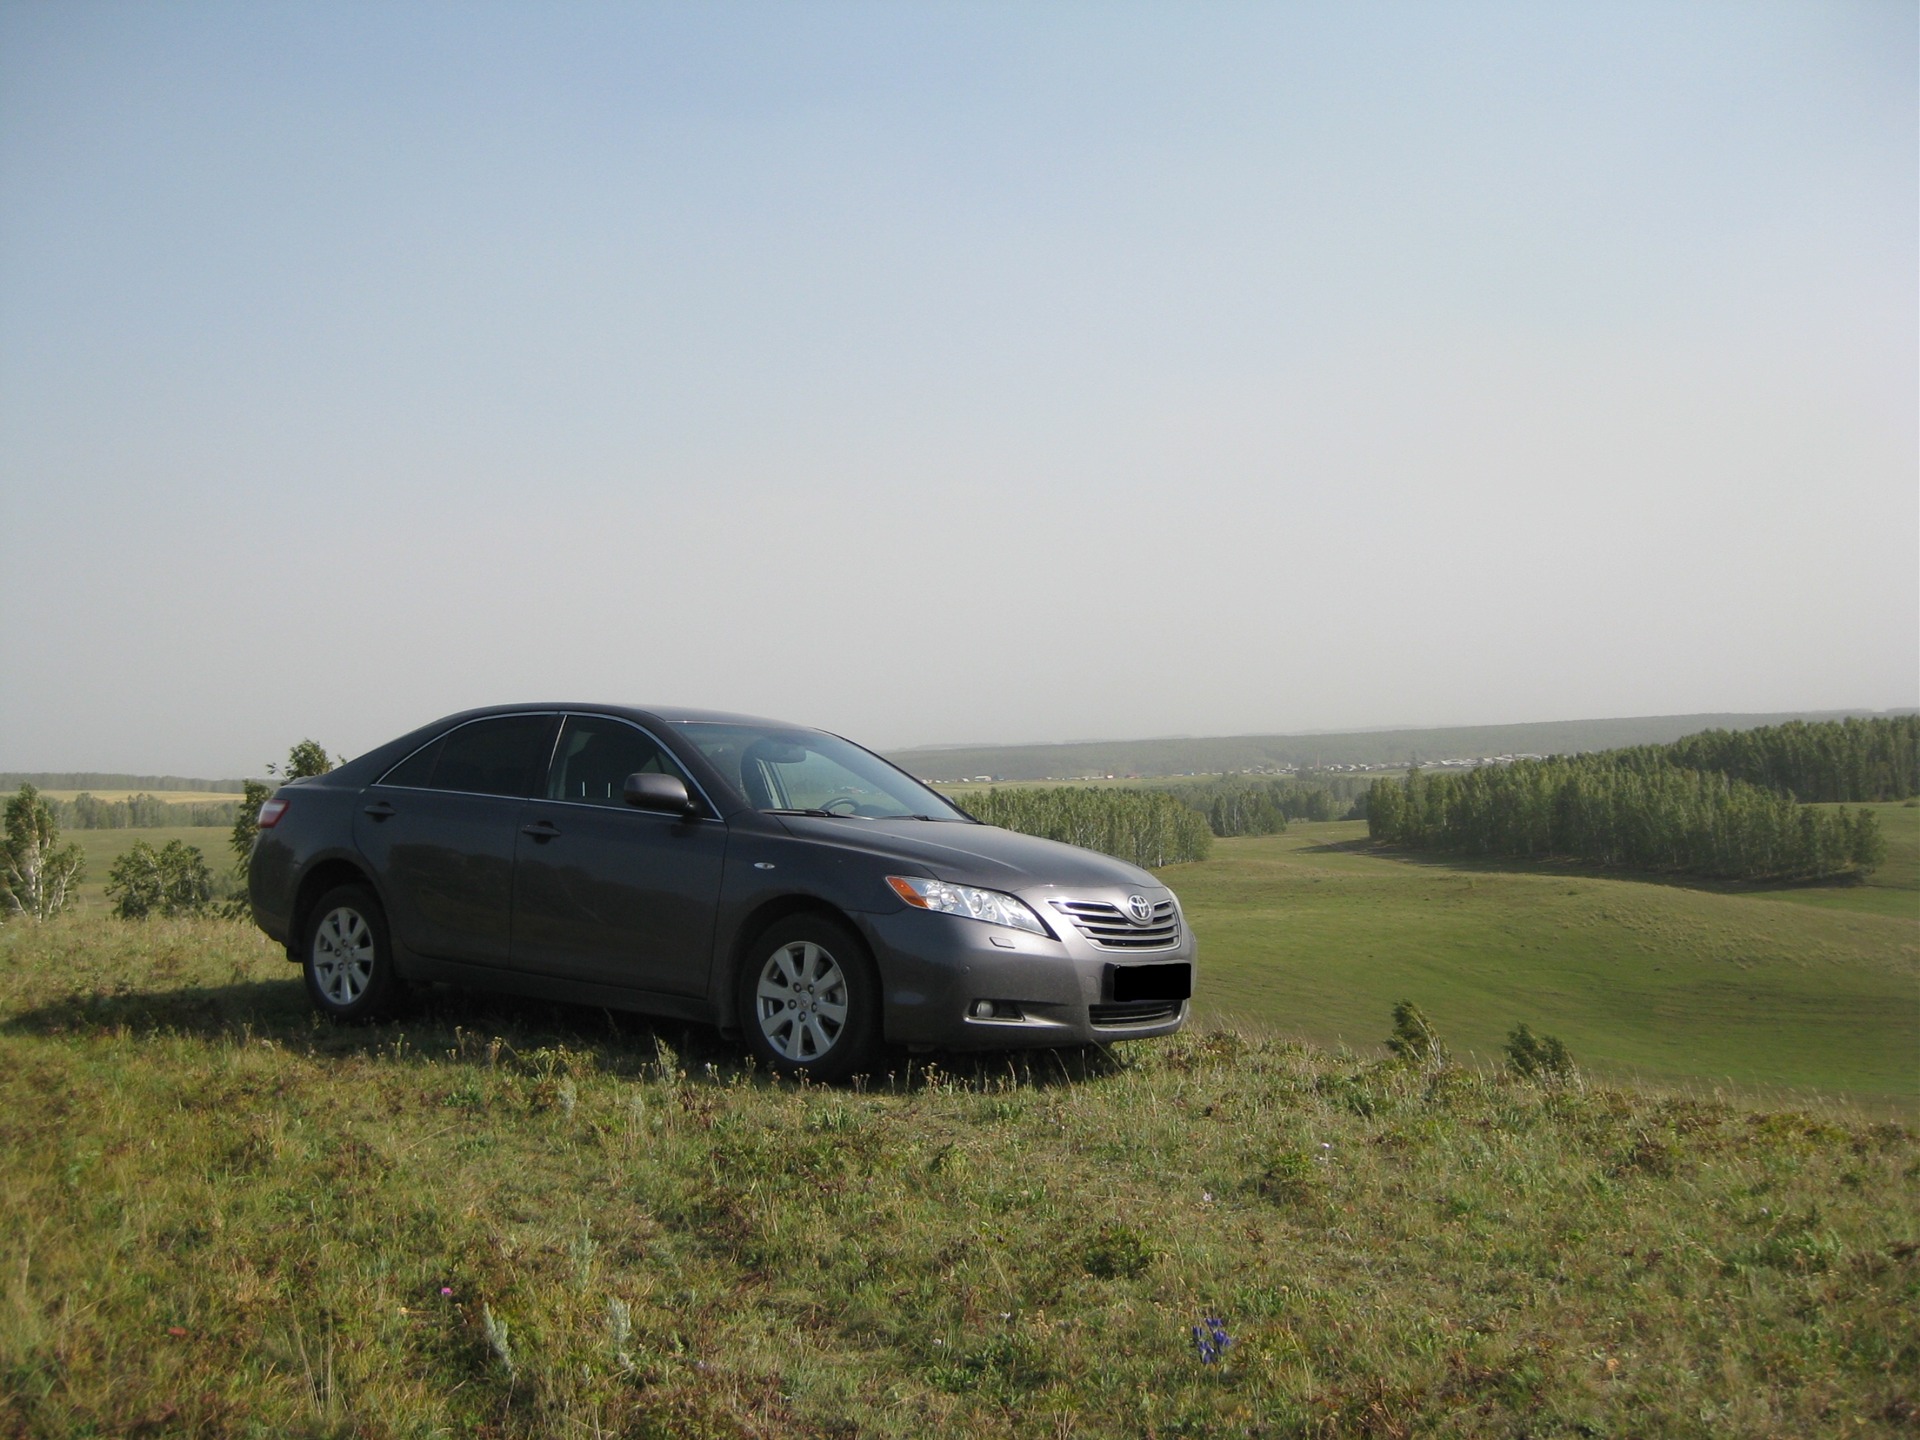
x: 349, y: 959
x: 810, y: 998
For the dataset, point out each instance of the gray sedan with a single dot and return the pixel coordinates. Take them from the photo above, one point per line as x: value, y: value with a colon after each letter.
x: 779, y: 882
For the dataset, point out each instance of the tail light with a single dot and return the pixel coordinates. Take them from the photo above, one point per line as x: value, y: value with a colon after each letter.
x: 271, y: 812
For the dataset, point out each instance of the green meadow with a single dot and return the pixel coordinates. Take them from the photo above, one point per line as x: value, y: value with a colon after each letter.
x: 496, y: 1219
x: 102, y: 847
x: 1765, y: 993
x: 1788, y: 994
x: 227, y: 1219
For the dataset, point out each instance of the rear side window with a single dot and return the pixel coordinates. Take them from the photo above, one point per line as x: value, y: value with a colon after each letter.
x: 502, y: 756
x: 595, y: 756
x: 416, y: 771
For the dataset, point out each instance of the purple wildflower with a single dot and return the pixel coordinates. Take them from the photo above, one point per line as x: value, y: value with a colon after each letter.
x: 1210, y: 1340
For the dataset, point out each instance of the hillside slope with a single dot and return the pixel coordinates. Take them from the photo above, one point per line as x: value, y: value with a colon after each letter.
x: 1312, y: 935
x: 506, y: 1220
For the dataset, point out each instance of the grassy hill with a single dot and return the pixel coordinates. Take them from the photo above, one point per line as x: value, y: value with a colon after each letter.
x: 1211, y: 755
x: 505, y: 1220
x: 1311, y: 935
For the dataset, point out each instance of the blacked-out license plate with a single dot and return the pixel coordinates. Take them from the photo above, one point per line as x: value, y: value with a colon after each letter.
x: 1151, y: 982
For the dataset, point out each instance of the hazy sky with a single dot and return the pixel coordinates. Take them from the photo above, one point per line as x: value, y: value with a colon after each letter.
x: 950, y: 372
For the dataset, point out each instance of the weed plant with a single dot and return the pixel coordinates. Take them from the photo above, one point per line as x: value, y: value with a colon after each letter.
x: 226, y: 1218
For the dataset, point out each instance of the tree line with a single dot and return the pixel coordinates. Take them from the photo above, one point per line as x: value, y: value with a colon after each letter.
x: 1148, y: 828
x: 139, y: 812
x: 107, y: 780
x: 1850, y: 761
x: 1616, y: 809
x: 1171, y: 823
x: 1255, y: 805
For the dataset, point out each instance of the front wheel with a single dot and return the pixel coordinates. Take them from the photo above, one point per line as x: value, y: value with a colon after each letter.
x: 810, y: 998
x: 349, y: 959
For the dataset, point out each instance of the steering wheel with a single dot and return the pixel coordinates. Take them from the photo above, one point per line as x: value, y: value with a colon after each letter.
x: 853, y: 805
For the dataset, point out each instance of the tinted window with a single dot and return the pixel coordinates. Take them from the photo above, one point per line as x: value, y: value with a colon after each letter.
x: 596, y: 755
x: 417, y: 769
x: 487, y: 757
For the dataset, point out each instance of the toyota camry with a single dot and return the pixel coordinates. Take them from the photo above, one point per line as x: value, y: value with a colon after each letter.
x: 773, y: 880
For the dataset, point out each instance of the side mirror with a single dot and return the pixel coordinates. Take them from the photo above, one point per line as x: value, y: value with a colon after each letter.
x: 647, y: 791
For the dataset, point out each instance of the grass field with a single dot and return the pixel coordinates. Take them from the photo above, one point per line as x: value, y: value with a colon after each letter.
x: 503, y: 1220
x: 1312, y: 936
x: 102, y: 847
x: 1780, y: 994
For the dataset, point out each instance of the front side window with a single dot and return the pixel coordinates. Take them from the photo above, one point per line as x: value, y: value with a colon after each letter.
x: 805, y: 770
x: 597, y: 754
x: 501, y: 756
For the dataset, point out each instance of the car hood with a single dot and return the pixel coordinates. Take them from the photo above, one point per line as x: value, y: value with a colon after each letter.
x: 966, y: 854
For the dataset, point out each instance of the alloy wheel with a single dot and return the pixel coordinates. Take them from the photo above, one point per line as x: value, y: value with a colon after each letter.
x: 801, y: 1001
x: 343, y: 956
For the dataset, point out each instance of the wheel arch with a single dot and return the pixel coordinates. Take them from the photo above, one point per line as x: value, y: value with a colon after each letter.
x: 785, y: 907
x: 321, y: 877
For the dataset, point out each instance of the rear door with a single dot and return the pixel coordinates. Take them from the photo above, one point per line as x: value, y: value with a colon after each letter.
x: 439, y: 830
x: 608, y: 893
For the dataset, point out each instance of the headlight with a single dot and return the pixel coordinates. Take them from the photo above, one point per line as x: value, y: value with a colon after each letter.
x: 988, y: 905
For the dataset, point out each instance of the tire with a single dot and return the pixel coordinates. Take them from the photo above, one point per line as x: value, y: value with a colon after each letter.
x: 348, y: 958
x: 810, y: 999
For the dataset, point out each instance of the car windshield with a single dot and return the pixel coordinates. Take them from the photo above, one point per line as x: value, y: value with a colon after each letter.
x: 810, y: 773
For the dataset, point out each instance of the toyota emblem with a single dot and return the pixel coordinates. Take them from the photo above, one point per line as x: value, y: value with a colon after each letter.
x: 1139, y: 910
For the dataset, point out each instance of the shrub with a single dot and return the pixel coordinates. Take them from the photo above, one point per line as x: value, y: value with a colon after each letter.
x: 173, y: 880
x: 306, y: 758
x: 1538, y: 1057
x: 1413, y: 1039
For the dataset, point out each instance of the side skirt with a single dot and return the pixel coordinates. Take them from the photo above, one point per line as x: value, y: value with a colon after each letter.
x: 692, y: 1008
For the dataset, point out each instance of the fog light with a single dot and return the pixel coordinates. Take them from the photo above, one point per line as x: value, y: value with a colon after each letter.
x: 996, y: 1010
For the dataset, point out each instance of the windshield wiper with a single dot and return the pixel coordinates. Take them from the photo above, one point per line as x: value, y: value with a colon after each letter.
x: 823, y: 814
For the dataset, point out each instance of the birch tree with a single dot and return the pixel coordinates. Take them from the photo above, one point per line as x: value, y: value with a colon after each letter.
x: 37, y: 873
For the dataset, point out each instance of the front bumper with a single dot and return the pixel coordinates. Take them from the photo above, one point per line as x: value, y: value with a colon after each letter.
x: 937, y: 969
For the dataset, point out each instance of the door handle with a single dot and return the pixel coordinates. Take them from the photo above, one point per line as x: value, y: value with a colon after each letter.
x: 380, y: 810
x: 541, y: 830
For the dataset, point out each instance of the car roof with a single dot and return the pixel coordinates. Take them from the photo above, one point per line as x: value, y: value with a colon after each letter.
x: 670, y: 714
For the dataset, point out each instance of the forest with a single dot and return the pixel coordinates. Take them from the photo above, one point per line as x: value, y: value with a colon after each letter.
x: 1160, y: 826
x: 1847, y: 761
x: 1719, y: 805
x: 1255, y: 805
x: 1149, y: 828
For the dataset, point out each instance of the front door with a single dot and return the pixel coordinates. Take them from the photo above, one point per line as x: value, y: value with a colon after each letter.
x: 603, y: 891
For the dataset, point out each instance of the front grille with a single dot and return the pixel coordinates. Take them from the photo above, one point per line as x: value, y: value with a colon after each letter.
x: 1140, y: 1012
x: 1108, y: 927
